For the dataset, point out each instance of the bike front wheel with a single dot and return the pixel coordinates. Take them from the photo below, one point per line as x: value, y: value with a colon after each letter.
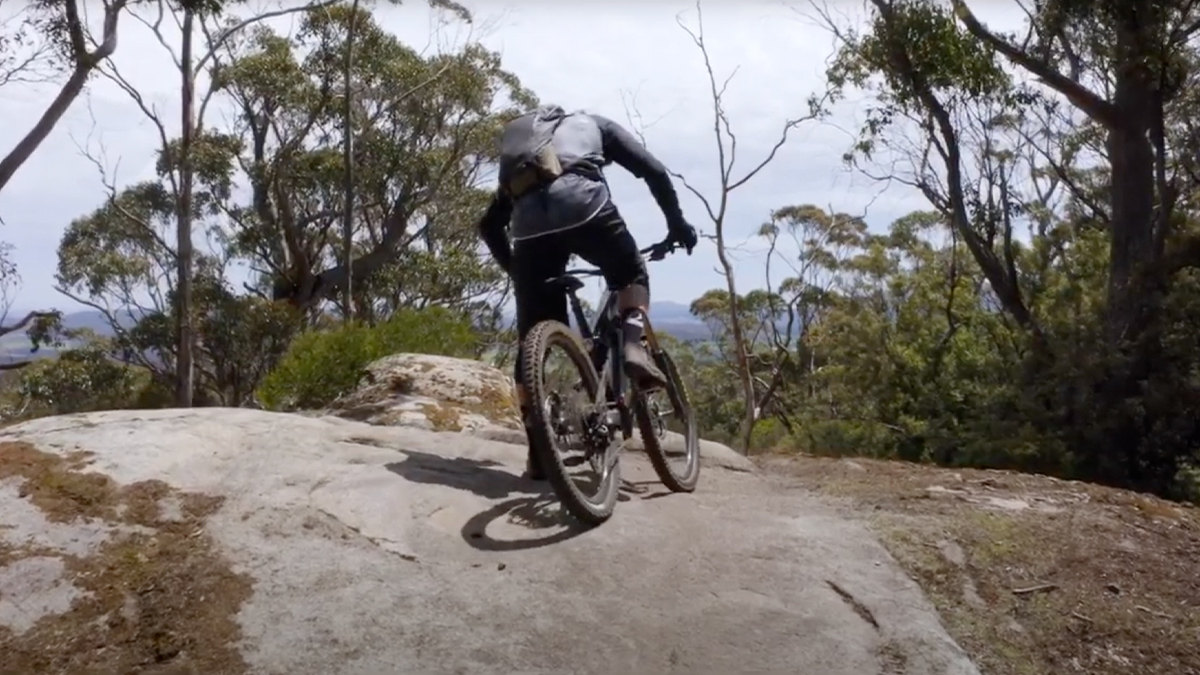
x: 676, y: 460
x: 566, y: 422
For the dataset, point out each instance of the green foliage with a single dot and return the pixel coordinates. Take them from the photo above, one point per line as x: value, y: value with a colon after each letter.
x: 914, y: 53
x: 45, y: 329
x: 925, y: 35
x: 321, y: 365
x: 904, y: 354
x: 423, y: 130
x: 243, y: 337
x: 79, y: 380
x: 712, y: 388
x: 1048, y: 334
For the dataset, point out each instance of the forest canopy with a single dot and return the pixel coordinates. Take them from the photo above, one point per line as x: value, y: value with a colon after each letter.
x: 1039, y: 312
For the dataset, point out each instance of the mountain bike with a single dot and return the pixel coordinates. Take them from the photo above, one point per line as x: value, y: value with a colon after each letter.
x: 592, y: 432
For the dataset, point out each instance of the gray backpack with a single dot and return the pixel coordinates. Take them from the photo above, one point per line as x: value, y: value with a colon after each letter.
x: 528, y: 160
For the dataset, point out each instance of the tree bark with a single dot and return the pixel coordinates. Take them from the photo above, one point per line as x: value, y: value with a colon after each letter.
x: 348, y: 158
x: 1131, y: 156
x: 184, y: 368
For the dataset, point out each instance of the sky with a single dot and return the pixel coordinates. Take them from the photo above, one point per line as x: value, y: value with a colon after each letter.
x: 595, y: 55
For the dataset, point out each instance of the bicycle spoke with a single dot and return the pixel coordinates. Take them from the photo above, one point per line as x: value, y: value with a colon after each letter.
x: 573, y: 409
x: 669, y: 430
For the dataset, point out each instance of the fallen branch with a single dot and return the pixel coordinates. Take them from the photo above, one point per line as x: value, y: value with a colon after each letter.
x: 1035, y: 589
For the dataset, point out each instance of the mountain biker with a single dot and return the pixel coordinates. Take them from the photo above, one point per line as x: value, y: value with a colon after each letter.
x: 553, y: 190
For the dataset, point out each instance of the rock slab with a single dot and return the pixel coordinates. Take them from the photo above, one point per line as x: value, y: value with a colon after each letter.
x: 390, y: 549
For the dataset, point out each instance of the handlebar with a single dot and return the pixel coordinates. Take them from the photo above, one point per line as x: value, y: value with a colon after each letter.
x: 661, y: 249
x: 653, y: 253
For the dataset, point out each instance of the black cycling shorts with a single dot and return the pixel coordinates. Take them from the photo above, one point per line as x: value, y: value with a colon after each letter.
x: 603, y: 241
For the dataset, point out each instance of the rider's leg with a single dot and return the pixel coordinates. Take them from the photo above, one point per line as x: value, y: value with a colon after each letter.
x: 534, y: 261
x: 633, y: 303
x: 606, y: 243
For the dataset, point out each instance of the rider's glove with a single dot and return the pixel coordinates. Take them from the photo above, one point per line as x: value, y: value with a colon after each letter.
x: 683, y: 234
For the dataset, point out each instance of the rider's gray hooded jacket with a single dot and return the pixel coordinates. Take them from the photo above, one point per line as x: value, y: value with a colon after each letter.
x: 585, y: 143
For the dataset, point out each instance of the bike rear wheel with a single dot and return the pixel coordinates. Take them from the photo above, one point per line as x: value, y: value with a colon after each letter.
x: 564, y: 431
x: 677, y: 467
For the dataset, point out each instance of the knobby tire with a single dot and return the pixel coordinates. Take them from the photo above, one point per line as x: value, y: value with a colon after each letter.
x: 539, y: 340
x: 650, y: 440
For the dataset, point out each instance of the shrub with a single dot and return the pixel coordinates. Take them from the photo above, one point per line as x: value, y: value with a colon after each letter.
x: 79, y: 380
x: 321, y: 365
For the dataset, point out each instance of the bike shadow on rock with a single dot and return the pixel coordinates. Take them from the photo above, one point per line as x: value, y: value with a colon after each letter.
x: 531, y: 505
x: 534, y: 508
x: 484, y: 477
x: 532, y: 513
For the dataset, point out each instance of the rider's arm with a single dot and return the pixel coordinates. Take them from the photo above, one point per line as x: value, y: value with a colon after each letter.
x: 623, y: 148
x: 493, y: 228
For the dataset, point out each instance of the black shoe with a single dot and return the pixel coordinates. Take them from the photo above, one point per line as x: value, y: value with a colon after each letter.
x: 641, y: 368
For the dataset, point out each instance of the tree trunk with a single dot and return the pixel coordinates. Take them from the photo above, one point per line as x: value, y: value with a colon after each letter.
x: 1131, y: 233
x: 348, y: 158
x: 739, y: 344
x: 45, y: 124
x: 184, y: 370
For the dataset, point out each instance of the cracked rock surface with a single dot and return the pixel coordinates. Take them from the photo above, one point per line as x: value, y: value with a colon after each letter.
x: 382, y: 549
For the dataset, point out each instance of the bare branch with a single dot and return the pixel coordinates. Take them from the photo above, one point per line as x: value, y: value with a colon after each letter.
x: 156, y: 31
x: 726, y: 146
x: 225, y: 35
x: 21, y: 55
x: 114, y: 75
x: 787, y: 128
x: 110, y: 186
x: 1097, y: 108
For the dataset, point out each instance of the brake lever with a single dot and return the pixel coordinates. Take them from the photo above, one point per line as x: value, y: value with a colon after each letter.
x: 661, y: 249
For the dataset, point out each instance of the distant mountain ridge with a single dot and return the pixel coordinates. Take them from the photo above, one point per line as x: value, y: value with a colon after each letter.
x: 672, y: 318
x: 669, y: 317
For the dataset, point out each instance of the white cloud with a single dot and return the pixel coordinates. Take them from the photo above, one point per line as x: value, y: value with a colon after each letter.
x: 578, y: 54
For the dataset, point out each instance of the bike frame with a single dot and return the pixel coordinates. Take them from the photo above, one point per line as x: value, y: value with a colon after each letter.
x: 605, y: 342
x: 603, y: 339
